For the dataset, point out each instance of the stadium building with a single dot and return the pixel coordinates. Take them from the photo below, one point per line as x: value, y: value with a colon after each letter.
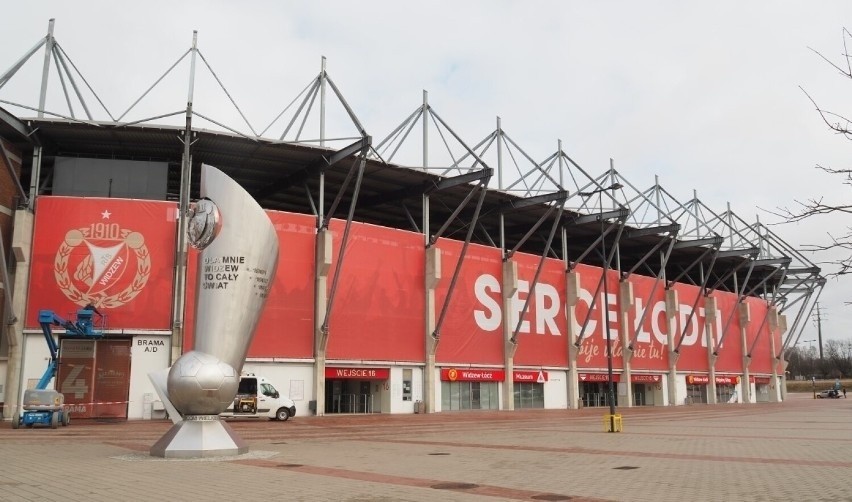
x: 474, y: 277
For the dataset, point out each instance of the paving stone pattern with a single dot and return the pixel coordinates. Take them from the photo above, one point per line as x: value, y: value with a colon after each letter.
x: 795, y: 451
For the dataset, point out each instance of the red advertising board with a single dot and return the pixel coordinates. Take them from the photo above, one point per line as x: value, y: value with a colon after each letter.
x: 727, y: 379
x: 471, y: 375
x: 472, y: 329
x: 543, y: 334
x: 286, y: 325
x: 117, y: 254
x: 379, y: 305
x: 697, y: 379
x: 357, y: 373
x: 705, y: 379
x: 598, y: 377
x: 530, y: 376
x: 642, y: 378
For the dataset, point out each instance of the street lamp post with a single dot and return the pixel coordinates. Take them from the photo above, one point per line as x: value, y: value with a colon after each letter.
x: 811, y: 363
x: 611, y: 387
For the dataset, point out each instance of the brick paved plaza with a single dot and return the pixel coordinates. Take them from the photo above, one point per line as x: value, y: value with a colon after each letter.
x: 796, y: 451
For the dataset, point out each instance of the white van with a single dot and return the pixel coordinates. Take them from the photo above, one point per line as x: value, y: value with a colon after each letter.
x: 257, y: 398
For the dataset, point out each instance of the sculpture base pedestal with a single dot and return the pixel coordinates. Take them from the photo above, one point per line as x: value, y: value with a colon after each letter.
x: 199, y: 436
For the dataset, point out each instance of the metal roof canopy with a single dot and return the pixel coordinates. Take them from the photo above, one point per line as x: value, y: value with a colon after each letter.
x: 294, y: 175
x: 390, y: 195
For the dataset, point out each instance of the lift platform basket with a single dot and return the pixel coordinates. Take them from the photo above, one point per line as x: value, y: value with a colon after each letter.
x: 43, y: 400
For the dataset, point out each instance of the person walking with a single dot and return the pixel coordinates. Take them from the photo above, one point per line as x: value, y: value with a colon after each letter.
x: 844, y: 392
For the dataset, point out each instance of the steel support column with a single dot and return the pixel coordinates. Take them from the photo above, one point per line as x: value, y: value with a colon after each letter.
x: 183, y: 205
x: 45, y: 72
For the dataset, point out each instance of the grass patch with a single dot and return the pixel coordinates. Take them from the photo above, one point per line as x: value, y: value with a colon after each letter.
x: 808, y: 386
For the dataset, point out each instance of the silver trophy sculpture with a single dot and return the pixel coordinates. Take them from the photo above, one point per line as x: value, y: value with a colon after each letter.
x: 236, y: 266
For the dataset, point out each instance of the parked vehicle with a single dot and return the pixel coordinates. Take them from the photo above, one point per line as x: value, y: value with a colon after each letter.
x: 258, y: 398
x: 829, y: 394
x: 45, y: 406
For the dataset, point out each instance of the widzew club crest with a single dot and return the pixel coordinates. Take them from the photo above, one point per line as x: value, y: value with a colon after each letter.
x: 102, y: 264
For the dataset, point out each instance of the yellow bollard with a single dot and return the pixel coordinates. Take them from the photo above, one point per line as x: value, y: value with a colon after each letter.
x: 614, y: 422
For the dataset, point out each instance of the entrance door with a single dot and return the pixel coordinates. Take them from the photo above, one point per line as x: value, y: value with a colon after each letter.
x: 333, y: 390
x: 469, y: 396
x: 350, y: 396
x: 762, y: 393
x: 529, y: 395
x: 696, y: 394
x: 639, y: 394
x: 597, y: 394
x: 75, y: 378
x: 724, y: 393
x: 112, y: 378
x: 94, y: 377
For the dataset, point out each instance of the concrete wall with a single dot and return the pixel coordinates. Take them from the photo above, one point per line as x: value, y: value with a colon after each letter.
x: 556, y: 390
x: 294, y: 380
x: 146, y: 355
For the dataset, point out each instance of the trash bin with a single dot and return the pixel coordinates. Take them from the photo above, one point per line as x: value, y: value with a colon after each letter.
x: 419, y: 407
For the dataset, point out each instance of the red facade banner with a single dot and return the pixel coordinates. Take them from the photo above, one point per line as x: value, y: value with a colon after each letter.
x: 471, y: 375
x: 379, y: 304
x: 650, y: 340
x: 690, y: 339
x: 593, y: 346
x: 759, y: 335
x: 729, y: 342
x: 358, y: 373
x: 543, y: 334
x: 117, y: 254
x: 472, y: 328
x: 286, y: 326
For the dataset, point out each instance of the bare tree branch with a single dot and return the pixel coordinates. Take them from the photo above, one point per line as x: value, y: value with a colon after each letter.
x: 816, y: 206
x: 844, y: 130
x: 811, y: 207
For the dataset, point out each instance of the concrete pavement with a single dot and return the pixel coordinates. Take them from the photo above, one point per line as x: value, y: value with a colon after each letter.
x: 795, y: 451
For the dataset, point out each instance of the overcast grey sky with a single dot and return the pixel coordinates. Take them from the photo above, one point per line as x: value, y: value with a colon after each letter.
x: 705, y: 97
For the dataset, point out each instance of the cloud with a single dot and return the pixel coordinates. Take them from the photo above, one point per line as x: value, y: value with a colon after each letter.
x: 706, y: 96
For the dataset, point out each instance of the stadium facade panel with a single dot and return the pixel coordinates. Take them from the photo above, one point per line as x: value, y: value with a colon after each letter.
x: 377, y: 342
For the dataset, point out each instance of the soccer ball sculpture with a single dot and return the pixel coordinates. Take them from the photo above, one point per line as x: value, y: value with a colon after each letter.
x: 201, y: 384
